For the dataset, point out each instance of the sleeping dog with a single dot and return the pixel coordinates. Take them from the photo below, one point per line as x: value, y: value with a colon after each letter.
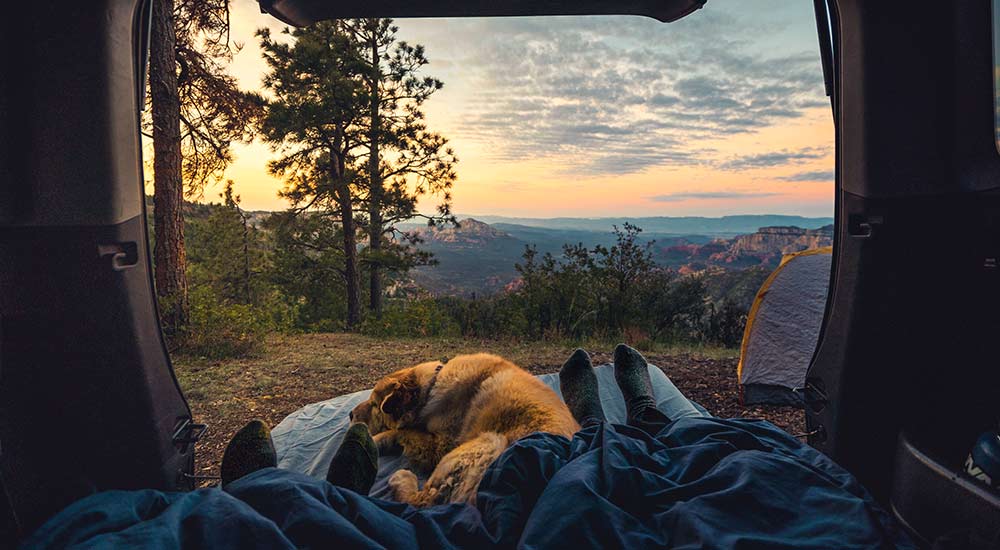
x: 454, y: 419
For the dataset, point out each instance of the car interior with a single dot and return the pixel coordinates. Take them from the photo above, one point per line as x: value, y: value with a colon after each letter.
x: 904, y: 379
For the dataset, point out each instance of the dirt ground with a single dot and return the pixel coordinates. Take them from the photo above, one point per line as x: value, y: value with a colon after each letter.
x: 301, y: 369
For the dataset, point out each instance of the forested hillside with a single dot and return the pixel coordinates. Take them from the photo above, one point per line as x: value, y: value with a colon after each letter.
x: 252, y: 273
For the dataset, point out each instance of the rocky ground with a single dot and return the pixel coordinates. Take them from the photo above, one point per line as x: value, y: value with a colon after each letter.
x: 302, y: 369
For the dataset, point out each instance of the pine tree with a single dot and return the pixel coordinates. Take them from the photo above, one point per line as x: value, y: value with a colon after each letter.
x: 401, y: 160
x: 308, y: 267
x: 314, y: 122
x: 347, y: 118
x: 197, y: 111
x: 170, y: 264
x: 225, y: 252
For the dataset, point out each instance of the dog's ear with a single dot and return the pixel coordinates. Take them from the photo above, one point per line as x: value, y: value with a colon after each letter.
x: 402, y: 398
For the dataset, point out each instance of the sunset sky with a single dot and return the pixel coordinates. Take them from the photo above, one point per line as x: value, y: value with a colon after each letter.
x: 720, y: 113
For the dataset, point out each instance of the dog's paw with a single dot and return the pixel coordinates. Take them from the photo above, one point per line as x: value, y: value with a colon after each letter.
x: 387, y: 443
x: 403, y: 479
x: 404, y: 485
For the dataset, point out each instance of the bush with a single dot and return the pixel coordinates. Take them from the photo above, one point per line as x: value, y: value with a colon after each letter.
x: 276, y: 312
x: 724, y: 324
x: 218, y: 330
x: 424, y: 317
x: 499, y: 316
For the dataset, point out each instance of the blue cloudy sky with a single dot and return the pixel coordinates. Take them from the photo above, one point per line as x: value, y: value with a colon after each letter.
x: 720, y: 113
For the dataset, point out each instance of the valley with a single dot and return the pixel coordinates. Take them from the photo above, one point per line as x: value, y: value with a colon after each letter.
x: 478, y: 258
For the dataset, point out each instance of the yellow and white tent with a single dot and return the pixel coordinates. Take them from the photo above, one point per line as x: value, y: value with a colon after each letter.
x: 783, y: 328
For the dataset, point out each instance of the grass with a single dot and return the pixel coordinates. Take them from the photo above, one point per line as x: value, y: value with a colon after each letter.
x: 295, y: 370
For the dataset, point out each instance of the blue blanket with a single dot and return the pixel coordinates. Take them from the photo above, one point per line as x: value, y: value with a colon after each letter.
x: 699, y: 483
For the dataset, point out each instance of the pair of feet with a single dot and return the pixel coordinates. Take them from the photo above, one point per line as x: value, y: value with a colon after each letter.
x: 353, y: 466
x: 578, y: 384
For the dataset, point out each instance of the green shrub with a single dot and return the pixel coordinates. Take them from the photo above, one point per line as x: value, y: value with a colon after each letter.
x: 424, y: 317
x: 500, y: 316
x: 277, y: 312
x: 217, y: 329
x: 724, y: 324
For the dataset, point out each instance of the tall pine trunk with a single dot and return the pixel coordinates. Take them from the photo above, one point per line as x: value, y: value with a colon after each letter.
x: 168, y: 186
x: 350, y: 255
x: 342, y: 188
x: 375, y: 230
x: 246, y: 257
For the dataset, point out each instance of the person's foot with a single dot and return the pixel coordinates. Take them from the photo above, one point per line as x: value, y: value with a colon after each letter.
x: 251, y: 449
x: 355, y: 463
x: 632, y: 375
x: 578, y: 384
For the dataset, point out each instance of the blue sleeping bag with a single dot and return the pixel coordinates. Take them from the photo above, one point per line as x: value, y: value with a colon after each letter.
x: 699, y: 483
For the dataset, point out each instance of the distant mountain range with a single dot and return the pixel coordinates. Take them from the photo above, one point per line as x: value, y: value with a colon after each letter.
x: 479, y: 257
x: 764, y: 247
x: 685, y: 225
x: 735, y: 252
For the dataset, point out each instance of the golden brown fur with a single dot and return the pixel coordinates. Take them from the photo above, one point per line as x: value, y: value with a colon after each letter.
x: 458, y: 421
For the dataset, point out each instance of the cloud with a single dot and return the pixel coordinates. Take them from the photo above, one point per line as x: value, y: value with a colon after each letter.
x: 615, y: 95
x: 776, y: 158
x: 817, y: 175
x: 711, y: 195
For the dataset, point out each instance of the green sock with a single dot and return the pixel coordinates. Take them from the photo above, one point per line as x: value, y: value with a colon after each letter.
x: 251, y: 449
x: 632, y: 375
x: 355, y: 463
x: 578, y: 385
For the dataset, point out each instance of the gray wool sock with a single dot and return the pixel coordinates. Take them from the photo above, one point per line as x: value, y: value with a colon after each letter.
x: 632, y: 375
x: 578, y: 384
x: 355, y: 464
x: 251, y: 449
